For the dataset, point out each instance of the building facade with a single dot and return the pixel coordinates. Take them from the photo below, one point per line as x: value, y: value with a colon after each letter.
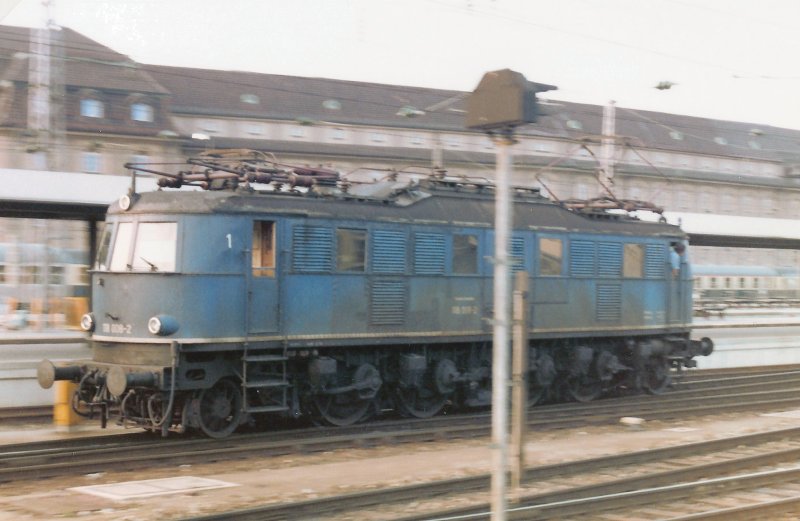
x: 108, y: 110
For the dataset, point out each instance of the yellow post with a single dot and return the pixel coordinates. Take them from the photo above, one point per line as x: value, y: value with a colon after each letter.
x: 64, y: 418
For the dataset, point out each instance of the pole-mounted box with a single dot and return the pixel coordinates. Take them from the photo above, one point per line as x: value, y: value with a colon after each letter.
x: 503, y: 99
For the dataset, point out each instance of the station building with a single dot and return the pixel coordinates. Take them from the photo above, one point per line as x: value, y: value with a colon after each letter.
x: 108, y: 110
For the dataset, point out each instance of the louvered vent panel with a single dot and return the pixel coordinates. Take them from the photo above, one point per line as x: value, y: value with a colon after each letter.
x: 609, y: 302
x: 655, y: 262
x: 581, y: 258
x: 312, y: 249
x: 429, y: 254
x: 388, y: 303
x: 609, y: 259
x: 517, y: 254
x: 389, y: 252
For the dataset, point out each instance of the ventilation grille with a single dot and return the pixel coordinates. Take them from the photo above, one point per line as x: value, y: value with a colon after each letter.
x: 312, y: 249
x: 609, y: 302
x: 429, y: 254
x: 655, y: 262
x: 581, y: 258
x: 517, y: 254
x: 389, y: 252
x: 387, y: 303
x: 609, y: 259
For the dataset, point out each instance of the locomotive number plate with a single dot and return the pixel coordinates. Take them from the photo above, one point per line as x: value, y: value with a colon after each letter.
x: 118, y: 329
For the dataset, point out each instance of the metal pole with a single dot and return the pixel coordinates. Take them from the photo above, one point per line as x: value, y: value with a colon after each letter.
x: 502, y: 324
x: 608, y: 142
x: 519, y: 373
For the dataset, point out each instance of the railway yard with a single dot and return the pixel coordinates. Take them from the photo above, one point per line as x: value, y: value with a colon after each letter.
x: 720, y: 443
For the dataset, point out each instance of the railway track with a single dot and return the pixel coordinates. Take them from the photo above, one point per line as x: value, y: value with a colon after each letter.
x: 683, y: 482
x: 19, y: 415
x: 139, y: 450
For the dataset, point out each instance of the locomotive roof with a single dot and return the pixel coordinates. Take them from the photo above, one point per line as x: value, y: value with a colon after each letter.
x: 425, y: 203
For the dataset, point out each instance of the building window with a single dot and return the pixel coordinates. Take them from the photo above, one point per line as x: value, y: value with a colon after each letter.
x: 56, y: 275
x: 297, y: 131
x: 255, y: 129
x: 38, y: 160
x: 210, y: 126
x: 338, y: 134
x: 142, y: 112
x: 31, y: 275
x: 376, y: 137
x: 91, y: 162
x: 249, y: 99
x: 92, y: 108
x: 541, y: 146
x: 140, y: 158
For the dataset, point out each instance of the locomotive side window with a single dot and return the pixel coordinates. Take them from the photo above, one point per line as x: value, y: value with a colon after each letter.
x: 465, y: 254
x: 101, y: 262
x: 120, y: 254
x: 156, y: 246
x: 551, y: 252
x: 633, y: 261
x: 351, y: 249
x: 263, y: 249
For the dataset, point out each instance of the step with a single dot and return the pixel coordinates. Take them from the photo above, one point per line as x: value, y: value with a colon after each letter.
x: 266, y: 408
x: 265, y: 383
x: 264, y: 358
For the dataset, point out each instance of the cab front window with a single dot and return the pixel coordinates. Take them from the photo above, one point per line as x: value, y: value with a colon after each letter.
x: 148, y: 246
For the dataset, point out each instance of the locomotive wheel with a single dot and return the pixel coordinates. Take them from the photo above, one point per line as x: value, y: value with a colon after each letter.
x: 220, y: 409
x: 584, y: 388
x: 351, y: 406
x: 340, y: 410
x: 419, y: 402
x: 540, y: 378
x: 430, y: 397
x: 535, y: 393
x: 656, y: 377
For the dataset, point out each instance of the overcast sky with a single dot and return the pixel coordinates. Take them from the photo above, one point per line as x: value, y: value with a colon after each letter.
x: 729, y: 59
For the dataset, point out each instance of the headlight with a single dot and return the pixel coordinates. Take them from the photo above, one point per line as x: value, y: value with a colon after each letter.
x: 87, y: 322
x: 125, y: 202
x: 162, y: 325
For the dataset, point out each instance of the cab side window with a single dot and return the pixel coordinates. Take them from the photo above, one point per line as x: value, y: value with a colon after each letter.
x: 351, y: 249
x: 633, y: 261
x: 551, y: 253
x: 465, y: 254
x: 263, y: 249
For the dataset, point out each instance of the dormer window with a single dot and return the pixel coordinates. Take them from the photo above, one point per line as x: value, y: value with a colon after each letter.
x: 142, y: 112
x: 92, y: 108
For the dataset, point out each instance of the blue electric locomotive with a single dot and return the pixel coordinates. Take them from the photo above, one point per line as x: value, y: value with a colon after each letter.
x: 317, y: 296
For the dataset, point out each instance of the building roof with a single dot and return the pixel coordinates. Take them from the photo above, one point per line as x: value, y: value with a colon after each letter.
x: 237, y: 94
x: 87, y: 63
x: 217, y: 93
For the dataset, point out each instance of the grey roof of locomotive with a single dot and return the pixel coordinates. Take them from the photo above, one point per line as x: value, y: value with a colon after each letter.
x: 423, y: 205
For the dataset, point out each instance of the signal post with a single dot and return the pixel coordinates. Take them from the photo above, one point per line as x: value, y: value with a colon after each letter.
x: 502, y: 101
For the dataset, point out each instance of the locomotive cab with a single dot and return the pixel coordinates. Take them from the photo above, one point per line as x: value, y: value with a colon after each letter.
x: 173, y: 292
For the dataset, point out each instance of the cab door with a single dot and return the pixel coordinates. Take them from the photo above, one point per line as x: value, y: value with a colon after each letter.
x: 677, y: 312
x: 263, y: 299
